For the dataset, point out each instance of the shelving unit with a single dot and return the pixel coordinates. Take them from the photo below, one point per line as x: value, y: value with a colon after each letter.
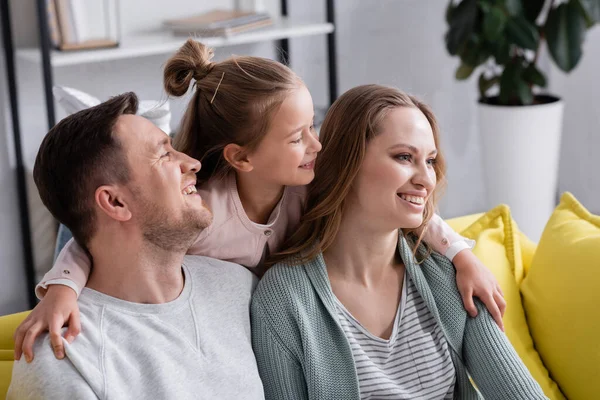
x: 131, y: 47
x: 164, y: 42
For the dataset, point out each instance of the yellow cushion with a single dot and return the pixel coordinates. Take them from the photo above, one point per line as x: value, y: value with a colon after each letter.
x: 561, y: 295
x: 498, y: 247
x: 8, y: 324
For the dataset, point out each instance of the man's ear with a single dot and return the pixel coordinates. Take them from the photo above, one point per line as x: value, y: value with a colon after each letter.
x: 237, y: 157
x: 111, y: 201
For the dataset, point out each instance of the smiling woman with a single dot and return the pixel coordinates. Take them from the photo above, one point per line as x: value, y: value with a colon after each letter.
x: 351, y: 311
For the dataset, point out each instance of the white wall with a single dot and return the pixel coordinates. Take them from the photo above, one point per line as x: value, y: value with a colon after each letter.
x: 580, y: 148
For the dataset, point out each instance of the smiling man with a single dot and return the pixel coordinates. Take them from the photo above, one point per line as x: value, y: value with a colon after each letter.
x: 154, y: 324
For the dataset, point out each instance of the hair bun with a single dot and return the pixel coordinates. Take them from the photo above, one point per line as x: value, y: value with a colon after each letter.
x: 191, y: 61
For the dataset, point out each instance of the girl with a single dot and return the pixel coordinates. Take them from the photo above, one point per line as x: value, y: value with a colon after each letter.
x: 352, y: 314
x: 250, y: 122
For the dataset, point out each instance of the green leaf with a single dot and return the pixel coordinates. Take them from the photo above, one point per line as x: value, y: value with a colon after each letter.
x: 514, y: 7
x: 449, y: 11
x: 589, y: 11
x: 522, y: 33
x: 475, y: 52
x: 464, y: 71
x: 524, y: 93
x: 534, y: 76
x: 493, y: 23
x: 592, y: 9
x: 501, y: 51
x: 462, y: 24
x: 485, y: 84
x: 532, y: 9
x: 565, y: 31
x: 485, y: 6
x: 509, y: 82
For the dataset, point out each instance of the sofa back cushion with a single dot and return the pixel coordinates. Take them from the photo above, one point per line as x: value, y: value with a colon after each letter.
x: 561, y: 295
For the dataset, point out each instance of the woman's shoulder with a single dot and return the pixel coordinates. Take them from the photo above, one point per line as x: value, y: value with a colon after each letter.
x: 286, y: 287
x: 285, y: 279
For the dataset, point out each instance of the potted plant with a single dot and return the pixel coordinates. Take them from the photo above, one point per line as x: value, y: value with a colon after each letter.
x: 520, y: 125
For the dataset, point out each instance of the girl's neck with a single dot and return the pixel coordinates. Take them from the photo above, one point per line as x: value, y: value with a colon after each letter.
x: 259, y: 198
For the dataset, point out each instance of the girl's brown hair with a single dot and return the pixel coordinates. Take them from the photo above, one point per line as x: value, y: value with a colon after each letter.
x: 233, y: 102
x: 351, y: 122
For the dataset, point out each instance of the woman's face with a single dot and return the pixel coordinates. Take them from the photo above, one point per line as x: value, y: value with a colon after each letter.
x: 397, y: 175
x: 287, y: 154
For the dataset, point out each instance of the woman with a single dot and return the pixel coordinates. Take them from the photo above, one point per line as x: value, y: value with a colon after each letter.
x: 361, y: 310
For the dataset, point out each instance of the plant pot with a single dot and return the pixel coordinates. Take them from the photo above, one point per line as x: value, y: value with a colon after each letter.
x: 520, y: 149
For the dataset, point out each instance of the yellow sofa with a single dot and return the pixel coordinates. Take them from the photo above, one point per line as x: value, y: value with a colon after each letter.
x: 8, y: 324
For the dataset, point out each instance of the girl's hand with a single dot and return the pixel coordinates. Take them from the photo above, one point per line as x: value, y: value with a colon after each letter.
x: 474, y: 279
x: 56, y: 309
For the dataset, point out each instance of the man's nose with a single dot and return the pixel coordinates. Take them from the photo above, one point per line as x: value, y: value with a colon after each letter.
x: 189, y: 164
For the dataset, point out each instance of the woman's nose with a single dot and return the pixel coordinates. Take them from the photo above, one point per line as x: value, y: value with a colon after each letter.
x: 425, y: 176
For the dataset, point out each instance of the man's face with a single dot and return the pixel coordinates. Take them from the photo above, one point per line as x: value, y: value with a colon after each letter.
x: 162, y: 186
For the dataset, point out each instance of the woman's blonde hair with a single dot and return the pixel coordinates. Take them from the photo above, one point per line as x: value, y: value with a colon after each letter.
x: 351, y: 122
x: 233, y: 102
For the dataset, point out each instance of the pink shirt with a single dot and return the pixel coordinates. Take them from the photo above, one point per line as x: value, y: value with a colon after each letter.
x: 233, y: 237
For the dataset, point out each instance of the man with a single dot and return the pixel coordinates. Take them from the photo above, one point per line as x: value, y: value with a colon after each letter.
x: 154, y: 325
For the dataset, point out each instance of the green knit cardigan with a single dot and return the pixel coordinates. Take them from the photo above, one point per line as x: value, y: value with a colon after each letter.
x: 302, y: 352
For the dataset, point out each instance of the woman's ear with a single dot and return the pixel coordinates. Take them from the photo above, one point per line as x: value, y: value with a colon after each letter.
x: 111, y: 201
x: 237, y: 157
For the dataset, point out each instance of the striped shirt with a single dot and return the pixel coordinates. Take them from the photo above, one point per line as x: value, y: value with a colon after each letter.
x: 414, y: 363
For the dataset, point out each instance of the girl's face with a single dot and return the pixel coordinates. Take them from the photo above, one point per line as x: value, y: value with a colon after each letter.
x: 397, y: 175
x: 287, y: 154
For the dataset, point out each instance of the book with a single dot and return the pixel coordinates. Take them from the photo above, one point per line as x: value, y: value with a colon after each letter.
x: 82, y: 24
x: 219, y: 23
x: 226, y: 32
x: 53, y: 29
x: 67, y: 30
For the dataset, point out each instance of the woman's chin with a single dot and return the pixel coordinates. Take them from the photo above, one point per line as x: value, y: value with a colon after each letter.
x: 412, y: 222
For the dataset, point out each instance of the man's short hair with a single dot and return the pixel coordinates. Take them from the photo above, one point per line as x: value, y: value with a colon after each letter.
x: 78, y: 155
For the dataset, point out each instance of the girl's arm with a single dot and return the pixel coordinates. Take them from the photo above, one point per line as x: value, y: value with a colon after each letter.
x: 472, y: 277
x: 58, y: 290
x: 71, y: 268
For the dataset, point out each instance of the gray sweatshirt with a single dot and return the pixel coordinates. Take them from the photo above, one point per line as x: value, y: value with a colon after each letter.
x: 197, y: 346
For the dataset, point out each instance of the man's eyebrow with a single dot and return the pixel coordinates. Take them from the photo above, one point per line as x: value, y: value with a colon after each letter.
x: 164, y: 142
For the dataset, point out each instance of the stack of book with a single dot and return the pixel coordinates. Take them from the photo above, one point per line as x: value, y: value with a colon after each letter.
x: 82, y: 24
x: 219, y: 23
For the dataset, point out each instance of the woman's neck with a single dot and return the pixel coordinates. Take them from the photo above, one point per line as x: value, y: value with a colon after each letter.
x: 258, y: 197
x: 362, y: 254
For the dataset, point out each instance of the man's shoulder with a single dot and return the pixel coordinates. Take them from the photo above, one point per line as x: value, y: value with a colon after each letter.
x: 211, y: 269
x: 47, y: 377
